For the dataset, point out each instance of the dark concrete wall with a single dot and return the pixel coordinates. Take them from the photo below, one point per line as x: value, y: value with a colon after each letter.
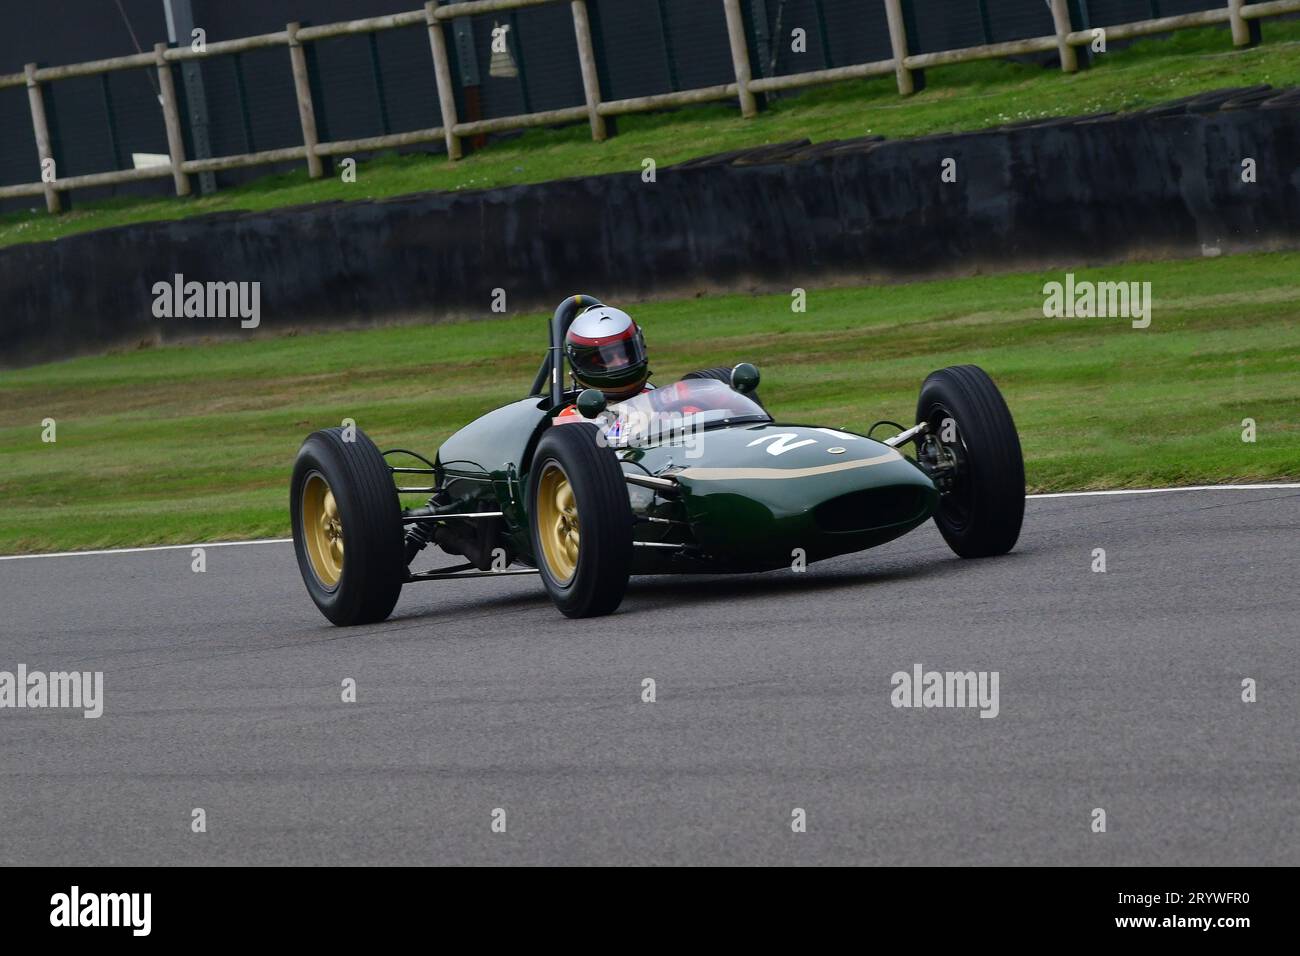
x: 1167, y: 182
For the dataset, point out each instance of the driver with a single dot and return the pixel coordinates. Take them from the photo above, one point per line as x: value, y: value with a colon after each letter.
x: 606, y: 350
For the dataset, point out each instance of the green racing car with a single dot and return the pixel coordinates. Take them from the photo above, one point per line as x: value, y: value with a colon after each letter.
x: 587, y: 486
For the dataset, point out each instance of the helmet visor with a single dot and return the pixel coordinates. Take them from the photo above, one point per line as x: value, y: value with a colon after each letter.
x: 608, y: 361
x: 607, y: 358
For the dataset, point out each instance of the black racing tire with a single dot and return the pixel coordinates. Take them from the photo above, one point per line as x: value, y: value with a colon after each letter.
x: 982, y: 514
x: 595, y: 545
x: 360, y: 583
x: 720, y: 375
x: 717, y: 374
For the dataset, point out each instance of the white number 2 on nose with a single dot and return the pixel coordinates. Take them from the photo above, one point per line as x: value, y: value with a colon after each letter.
x: 782, y: 442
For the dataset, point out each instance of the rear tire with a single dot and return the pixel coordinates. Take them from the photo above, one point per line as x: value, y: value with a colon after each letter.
x: 719, y: 375
x: 347, y: 527
x: 982, y: 513
x: 580, y: 518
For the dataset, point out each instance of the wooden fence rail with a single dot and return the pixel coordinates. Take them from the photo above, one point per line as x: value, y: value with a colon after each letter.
x: 1236, y: 13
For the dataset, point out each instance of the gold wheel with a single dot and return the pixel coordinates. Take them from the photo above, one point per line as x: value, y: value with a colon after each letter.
x: 322, y: 530
x: 557, y: 522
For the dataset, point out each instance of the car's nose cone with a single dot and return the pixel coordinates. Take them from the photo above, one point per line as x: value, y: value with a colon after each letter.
x: 756, y: 494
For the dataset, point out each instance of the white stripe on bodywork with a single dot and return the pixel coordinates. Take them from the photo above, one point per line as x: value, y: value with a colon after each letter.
x: 723, y: 474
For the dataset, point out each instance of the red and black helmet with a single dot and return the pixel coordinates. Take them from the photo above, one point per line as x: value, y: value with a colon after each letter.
x: 607, y: 351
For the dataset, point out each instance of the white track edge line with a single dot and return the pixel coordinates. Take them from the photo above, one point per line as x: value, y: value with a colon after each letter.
x: 1158, y: 491
x: 1056, y: 494
x: 157, y: 547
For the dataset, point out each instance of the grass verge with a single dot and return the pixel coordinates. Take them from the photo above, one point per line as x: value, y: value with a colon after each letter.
x: 191, y: 443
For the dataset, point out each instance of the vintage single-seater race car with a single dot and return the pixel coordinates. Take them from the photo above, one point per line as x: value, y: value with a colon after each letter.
x: 693, y: 477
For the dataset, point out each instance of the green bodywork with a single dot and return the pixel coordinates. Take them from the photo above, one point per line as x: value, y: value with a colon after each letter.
x: 752, y: 496
x: 756, y: 493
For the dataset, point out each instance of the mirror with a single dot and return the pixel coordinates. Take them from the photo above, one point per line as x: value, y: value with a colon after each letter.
x: 591, y: 402
x: 744, y: 378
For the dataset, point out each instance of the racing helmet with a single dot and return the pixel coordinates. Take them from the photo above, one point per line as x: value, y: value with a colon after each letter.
x: 607, y: 351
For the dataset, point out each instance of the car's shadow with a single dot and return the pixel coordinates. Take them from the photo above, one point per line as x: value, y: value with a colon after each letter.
x: 664, y: 590
x: 654, y: 592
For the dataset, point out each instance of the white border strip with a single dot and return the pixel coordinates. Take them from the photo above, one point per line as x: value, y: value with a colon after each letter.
x: 1160, y: 491
x: 159, y: 547
x: 1057, y: 494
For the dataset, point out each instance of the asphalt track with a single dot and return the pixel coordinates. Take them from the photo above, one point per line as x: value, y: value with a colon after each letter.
x: 1119, y: 690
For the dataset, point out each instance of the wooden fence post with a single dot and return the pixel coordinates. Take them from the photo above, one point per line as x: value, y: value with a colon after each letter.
x: 1240, y: 29
x: 42, y: 130
x: 442, y: 73
x: 740, y: 57
x: 898, y: 42
x: 306, y: 113
x: 171, y: 119
x: 1061, y: 20
x: 587, y: 60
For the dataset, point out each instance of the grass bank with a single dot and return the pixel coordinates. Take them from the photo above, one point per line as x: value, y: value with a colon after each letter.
x: 195, y: 442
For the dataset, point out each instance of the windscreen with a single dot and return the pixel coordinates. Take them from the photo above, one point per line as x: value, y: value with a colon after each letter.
x: 677, y: 410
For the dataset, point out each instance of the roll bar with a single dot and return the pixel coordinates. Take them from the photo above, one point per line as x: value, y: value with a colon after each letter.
x: 550, y: 377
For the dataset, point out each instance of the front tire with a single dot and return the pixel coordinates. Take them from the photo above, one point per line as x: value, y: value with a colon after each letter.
x: 347, y: 527
x: 581, y: 521
x: 982, y: 509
